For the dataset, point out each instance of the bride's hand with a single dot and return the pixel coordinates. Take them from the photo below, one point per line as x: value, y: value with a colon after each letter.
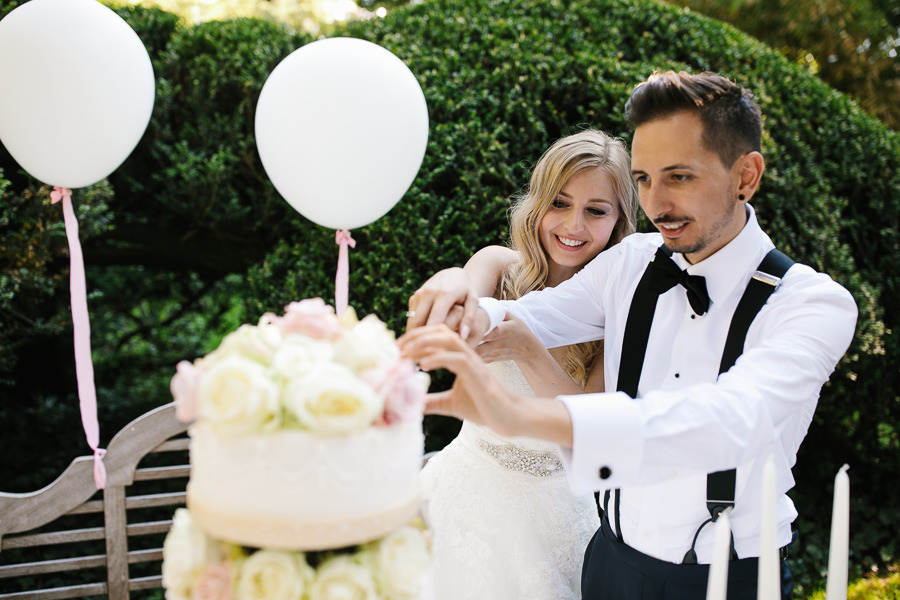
x: 447, y: 297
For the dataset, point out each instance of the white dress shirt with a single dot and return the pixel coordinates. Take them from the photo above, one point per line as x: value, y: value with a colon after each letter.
x: 686, y: 423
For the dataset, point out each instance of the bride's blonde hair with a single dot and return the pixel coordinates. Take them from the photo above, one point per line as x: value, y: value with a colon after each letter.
x: 567, y: 157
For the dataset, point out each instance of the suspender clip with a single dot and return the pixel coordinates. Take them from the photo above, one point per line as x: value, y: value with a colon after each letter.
x: 767, y: 278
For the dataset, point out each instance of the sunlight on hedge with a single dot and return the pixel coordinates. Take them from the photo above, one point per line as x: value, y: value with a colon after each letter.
x: 309, y: 16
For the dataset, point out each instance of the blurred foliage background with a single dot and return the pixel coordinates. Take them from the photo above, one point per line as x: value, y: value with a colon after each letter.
x: 852, y: 46
x: 188, y: 238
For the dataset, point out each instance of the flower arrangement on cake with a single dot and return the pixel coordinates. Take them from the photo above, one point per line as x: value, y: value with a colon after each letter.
x: 305, y: 370
x: 198, y: 567
x: 306, y: 443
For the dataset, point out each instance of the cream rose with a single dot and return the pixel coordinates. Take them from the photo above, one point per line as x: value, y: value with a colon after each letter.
x: 273, y: 575
x: 257, y: 343
x: 298, y: 355
x: 332, y: 400
x: 400, y: 562
x: 237, y: 395
x: 342, y: 578
x: 368, y: 345
x: 186, y: 550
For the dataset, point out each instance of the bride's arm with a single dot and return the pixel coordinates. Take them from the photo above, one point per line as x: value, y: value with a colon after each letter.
x: 485, y: 268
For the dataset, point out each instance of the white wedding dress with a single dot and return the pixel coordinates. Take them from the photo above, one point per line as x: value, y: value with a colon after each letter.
x: 504, y: 521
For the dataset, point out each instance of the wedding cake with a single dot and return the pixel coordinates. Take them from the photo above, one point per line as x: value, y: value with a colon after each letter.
x: 306, y: 444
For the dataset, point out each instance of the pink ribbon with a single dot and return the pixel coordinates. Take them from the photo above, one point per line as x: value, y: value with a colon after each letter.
x: 84, y: 367
x: 341, y: 281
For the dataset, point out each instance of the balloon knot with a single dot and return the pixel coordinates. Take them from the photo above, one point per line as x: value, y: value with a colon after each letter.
x: 343, y: 237
x: 60, y: 193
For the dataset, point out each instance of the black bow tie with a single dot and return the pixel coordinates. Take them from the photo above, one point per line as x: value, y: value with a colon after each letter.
x: 667, y: 274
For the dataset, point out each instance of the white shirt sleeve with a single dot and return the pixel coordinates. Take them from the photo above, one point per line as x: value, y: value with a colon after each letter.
x: 608, y: 441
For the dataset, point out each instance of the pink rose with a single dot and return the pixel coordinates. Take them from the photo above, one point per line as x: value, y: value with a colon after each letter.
x: 403, y: 388
x: 311, y: 317
x: 213, y: 583
x: 184, y: 390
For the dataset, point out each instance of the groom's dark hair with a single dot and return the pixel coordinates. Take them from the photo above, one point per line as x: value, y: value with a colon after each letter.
x: 732, y: 122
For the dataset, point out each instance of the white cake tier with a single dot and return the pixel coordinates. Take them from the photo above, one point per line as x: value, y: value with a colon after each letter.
x: 293, y: 490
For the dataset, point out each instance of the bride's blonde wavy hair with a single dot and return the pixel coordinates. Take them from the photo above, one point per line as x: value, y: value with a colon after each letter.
x: 565, y: 158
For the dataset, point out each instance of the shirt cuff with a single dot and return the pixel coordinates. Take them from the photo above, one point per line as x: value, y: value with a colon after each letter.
x: 607, y: 442
x: 495, y: 312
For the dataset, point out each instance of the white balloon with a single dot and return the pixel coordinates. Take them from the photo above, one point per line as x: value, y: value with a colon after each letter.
x: 76, y: 90
x: 341, y: 129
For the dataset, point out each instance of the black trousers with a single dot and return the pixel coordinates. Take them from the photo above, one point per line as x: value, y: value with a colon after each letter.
x: 615, y: 571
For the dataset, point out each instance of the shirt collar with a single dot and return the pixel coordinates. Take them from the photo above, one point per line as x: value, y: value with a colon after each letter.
x: 731, y: 265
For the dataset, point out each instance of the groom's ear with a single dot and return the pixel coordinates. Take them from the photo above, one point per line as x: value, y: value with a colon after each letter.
x: 748, y: 170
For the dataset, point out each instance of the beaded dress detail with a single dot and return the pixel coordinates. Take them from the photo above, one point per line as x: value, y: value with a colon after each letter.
x: 504, y: 521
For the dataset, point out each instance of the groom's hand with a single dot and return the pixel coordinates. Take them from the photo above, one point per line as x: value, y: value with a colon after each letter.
x: 476, y: 395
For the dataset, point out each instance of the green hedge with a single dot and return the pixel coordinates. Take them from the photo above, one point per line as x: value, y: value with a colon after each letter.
x: 195, y: 240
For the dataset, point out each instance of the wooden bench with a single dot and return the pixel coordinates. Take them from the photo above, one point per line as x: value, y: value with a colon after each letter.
x: 69, y: 540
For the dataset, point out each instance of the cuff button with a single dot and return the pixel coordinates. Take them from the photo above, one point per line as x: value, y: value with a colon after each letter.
x: 605, y: 472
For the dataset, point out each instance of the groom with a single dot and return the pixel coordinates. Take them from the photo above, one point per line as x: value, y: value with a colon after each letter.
x: 675, y: 409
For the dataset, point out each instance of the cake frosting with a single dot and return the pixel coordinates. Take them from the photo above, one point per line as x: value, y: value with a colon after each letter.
x: 300, y: 491
x: 305, y: 446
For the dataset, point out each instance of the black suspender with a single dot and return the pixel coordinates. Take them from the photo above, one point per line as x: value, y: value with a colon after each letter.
x: 634, y: 348
x: 637, y: 331
x: 720, y: 487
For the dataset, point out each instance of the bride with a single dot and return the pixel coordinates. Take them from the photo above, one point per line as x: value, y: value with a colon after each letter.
x: 504, y: 521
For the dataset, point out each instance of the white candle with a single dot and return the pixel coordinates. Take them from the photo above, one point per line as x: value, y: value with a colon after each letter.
x: 836, y: 588
x: 769, y: 577
x: 717, y: 585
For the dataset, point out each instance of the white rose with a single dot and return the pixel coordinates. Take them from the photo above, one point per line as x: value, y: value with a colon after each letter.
x: 342, y: 578
x: 368, y: 345
x: 400, y: 562
x: 257, y: 343
x: 186, y: 551
x: 237, y: 395
x: 298, y: 355
x: 332, y: 400
x: 273, y: 575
